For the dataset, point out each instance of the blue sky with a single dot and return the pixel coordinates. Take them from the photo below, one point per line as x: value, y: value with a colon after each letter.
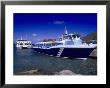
x: 38, y: 26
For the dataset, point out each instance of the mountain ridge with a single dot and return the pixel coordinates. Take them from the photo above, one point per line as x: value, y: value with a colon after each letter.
x: 90, y: 36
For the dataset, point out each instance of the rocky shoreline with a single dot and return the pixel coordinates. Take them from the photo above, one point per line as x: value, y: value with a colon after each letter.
x: 37, y: 72
x: 29, y: 72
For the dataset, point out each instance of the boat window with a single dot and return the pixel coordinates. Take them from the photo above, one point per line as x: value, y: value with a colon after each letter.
x: 70, y: 37
x: 69, y: 43
x: 74, y: 36
x: 21, y: 43
x: 59, y: 44
x: 65, y: 37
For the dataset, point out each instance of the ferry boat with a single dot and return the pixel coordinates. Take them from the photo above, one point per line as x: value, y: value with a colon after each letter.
x: 23, y: 44
x: 70, y: 46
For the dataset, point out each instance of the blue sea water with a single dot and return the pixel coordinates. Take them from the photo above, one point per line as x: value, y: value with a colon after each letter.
x: 28, y: 59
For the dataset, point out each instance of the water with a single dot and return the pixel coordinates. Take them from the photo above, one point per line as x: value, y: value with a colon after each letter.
x: 28, y: 59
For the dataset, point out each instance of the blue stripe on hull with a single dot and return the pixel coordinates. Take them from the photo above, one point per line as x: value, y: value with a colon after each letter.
x: 76, y: 52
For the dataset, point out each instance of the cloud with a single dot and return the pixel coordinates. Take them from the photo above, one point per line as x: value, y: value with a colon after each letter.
x: 34, y: 34
x: 58, y: 22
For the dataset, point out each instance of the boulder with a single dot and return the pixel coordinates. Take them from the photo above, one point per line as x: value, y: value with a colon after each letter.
x: 65, y: 72
x: 94, y: 53
x: 30, y: 72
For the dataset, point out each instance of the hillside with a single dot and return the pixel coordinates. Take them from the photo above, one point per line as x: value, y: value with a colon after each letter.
x: 91, y: 36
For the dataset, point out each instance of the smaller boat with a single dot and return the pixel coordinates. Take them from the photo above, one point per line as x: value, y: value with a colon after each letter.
x: 23, y: 44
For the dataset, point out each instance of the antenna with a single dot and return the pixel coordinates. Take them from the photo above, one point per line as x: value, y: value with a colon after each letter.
x: 21, y: 37
x: 66, y: 32
x: 26, y: 37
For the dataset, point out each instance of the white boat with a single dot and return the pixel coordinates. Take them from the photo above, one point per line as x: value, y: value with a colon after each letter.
x: 23, y: 44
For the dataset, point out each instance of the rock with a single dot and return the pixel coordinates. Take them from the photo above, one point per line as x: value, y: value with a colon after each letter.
x: 94, y: 53
x: 30, y: 72
x: 65, y: 72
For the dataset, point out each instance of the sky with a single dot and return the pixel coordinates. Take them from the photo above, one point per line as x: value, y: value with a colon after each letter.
x: 39, y: 26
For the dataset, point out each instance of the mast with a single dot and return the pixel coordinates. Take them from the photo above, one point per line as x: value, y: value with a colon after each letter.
x: 21, y: 38
x: 66, y: 32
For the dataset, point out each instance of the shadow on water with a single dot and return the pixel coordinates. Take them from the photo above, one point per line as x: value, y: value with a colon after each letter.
x: 28, y: 59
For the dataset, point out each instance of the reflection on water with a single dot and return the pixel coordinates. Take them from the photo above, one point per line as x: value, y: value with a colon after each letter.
x: 28, y: 59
